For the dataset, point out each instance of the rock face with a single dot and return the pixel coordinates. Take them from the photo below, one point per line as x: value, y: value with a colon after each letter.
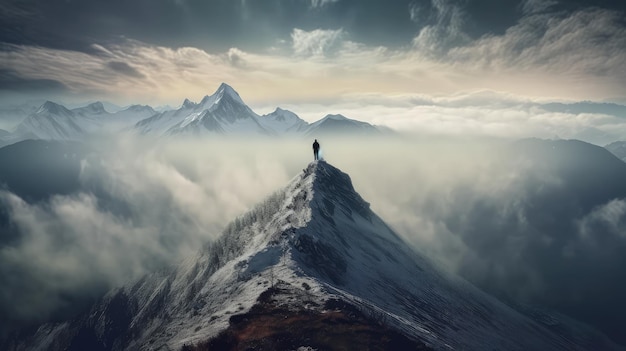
x: 313, y: 254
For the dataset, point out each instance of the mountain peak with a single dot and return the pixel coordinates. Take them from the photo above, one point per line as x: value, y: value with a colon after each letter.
x: 226, y: 90
x: 95, y: 108
x: 337, y: 117
x: 188, y: 103
x: 223, y: 86
x: 51, y: 107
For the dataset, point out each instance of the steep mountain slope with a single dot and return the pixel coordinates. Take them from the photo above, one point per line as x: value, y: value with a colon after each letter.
x: 221, y: 113
x: 283, y: 122
x: 313, y: 251
x: 53, y: 122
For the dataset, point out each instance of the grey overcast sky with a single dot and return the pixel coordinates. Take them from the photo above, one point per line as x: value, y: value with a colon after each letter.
x: 299, y: 51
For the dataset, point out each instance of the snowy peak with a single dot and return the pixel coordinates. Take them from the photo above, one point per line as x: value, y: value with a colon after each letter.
x: 140, y: 108
x: 226, y: 90
x: 283, y: 121
x: 51, y: 122
x: 281, y: 115
x: 52, y: 108
x: 224, y: 93
x: 339, y: 124
x: 224, y: 112
x: 337, y: 117
x: 188, y: 104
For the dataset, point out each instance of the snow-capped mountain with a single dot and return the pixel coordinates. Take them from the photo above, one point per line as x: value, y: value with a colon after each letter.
x: 283, y: 122
x: 224, y: 112
x: 55, y: 122
x: 339, y: 124
x: 52, y: 121
x: 313, y: 251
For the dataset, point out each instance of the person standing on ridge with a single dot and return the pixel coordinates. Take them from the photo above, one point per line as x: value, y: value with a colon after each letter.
x: 316, y: 150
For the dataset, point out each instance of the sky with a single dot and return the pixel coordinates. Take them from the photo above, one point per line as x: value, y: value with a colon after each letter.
x: 459, y: 66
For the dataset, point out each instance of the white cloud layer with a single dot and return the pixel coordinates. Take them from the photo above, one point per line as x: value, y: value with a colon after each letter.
x: 321, y: 3
x: 315, y: 43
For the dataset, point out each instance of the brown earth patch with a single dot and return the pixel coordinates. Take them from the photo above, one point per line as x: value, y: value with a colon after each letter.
x: 270, y: 325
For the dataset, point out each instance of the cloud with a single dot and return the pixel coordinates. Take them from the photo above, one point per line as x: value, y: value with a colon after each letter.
x: 11, y: 81
x: 446, y: 32
x: 537, y: 6
x: 125, y: 68
x: 497, y: 212
x: 589, y: 43
x: 321, y: 3
x: 315, y: 43
x: 481, y: 114
x: 139, y: 208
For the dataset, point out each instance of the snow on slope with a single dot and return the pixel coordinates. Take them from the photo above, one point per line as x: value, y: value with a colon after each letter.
x: 53, y: 122
x: 283, y: 122
x: 317, y: 231
x: 221, y: 113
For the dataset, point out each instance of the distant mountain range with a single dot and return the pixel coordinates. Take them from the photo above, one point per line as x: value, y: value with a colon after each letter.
x: 222, y: 113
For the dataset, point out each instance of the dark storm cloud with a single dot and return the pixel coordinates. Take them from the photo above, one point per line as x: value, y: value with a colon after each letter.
x: 11, y: 81
x: 125, y: 68
x: 221, y: 24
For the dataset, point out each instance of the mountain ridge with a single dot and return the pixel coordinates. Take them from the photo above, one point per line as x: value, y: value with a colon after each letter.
x: 222, y: 113
x: 316, y: 238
